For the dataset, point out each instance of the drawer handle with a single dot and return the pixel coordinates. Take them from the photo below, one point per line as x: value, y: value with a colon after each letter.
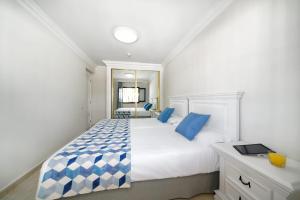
x: 244, y: 183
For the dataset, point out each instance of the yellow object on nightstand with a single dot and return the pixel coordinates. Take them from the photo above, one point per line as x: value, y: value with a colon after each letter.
x: 277, y: 159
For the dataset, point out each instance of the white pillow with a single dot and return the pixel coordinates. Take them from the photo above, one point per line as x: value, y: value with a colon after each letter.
x: 208, y: 137
x: 175, y: 120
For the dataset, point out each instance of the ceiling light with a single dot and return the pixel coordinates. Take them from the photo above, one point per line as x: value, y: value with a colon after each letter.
x: 129, y: 75
x: 125, y: 34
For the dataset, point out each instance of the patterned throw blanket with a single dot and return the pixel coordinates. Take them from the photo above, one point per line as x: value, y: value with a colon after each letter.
x: 97, y: 160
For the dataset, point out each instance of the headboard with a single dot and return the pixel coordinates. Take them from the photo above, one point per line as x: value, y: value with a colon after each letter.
x: 180, y: 104
x: 224, y: 111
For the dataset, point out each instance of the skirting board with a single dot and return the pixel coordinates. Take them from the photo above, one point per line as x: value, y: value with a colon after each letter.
x: 16, y: 182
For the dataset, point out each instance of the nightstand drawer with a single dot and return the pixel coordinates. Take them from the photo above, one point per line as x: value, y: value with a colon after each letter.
x: 232, y: 193
x: 247, y: 182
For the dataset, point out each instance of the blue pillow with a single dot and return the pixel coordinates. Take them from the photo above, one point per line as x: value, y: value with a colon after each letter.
x: 191, y: 125
x: 145, y: 105
x: 148, y: 106
x: 165, y: 115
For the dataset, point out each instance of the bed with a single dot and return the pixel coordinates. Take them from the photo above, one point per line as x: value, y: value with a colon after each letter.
x: 132, y: 112
x: 159, y: 163
x: 181, y: 110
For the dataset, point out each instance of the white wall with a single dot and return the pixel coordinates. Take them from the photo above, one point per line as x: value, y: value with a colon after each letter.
x: 254, y: 46
x: 98, y: 106
x: 43, y: 93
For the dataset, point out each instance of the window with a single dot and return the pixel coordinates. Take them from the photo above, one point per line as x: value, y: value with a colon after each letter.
x: 132, y: 95
x: 128, y: 95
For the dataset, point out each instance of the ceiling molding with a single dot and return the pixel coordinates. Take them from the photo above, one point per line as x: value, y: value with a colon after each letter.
x: 196, y: 30
x: 33, y: 8
x: 131, y: 65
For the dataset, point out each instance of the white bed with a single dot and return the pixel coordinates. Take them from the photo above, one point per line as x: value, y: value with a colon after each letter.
x: 162, y: 159
x: 158, y: 152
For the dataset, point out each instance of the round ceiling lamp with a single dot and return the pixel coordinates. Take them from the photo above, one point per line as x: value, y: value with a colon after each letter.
x: 125, y: 34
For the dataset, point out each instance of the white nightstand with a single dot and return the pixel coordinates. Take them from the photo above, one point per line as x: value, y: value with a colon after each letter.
x: 253, y: 177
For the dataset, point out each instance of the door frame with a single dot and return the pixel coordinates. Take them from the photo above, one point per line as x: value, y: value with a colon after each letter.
x: 89, y: 98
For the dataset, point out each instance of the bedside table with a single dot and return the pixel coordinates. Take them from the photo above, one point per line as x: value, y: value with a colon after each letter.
x: 253, y: 177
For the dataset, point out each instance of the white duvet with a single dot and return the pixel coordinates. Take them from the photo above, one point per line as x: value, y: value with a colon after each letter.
x: 140, y: 123
x: 158, y: 152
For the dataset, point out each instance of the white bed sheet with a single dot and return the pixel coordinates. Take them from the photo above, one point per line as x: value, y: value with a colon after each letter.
x: 139, y: 123
x: 160, y: 152
x: 140, y: 112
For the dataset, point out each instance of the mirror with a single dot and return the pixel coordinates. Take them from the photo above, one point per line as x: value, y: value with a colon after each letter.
x: 132, y: 90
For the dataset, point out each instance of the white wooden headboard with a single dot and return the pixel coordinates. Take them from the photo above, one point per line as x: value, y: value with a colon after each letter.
x: 224, y: 111
x: 180, y: 104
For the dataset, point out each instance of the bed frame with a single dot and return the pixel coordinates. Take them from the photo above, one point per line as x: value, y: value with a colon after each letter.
x: 164, y: 189
x: 224, y: 111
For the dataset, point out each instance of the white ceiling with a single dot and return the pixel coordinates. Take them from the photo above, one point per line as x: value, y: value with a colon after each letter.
x: 161, y: 25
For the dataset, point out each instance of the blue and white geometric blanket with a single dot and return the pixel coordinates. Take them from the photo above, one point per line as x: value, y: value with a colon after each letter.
x: 97, y: 160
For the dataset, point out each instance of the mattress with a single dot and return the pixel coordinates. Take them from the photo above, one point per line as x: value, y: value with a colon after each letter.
x: 160, y: 152
x: 140, y: 112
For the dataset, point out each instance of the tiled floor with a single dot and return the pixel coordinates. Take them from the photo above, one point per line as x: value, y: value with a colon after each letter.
x: 27, y: 188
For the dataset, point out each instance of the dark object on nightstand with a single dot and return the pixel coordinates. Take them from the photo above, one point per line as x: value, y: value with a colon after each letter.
x: 253, y: 149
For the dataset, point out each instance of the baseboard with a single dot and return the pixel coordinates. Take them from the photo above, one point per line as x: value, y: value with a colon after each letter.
x: 18, y: 180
